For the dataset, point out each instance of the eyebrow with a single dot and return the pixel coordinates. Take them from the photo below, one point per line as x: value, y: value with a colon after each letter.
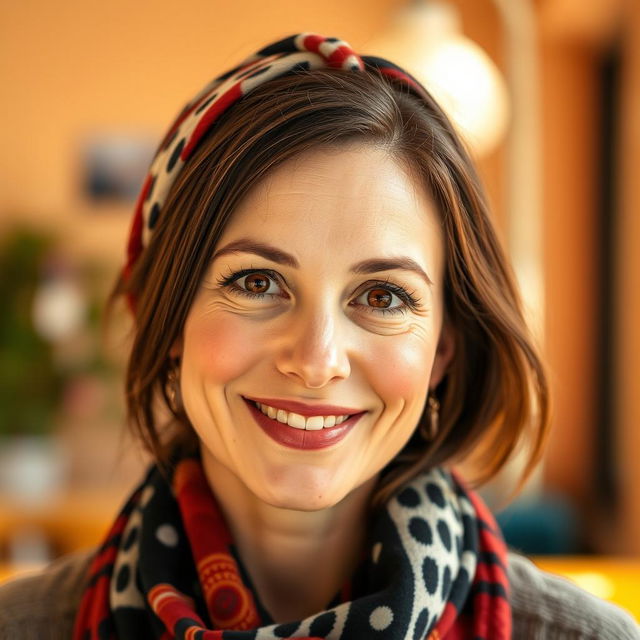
x: 372, y: 265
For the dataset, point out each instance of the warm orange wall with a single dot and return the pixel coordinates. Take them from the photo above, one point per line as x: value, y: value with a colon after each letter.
x: 572, y: 47
x: 72, y: 68
x: 570, y: 219
x: 627, y: 332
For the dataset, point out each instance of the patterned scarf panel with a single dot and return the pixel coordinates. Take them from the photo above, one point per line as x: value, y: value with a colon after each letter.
x: 168, y: 569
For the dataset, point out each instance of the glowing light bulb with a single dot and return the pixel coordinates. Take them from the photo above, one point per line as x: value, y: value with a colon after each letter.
x: 425, y: 39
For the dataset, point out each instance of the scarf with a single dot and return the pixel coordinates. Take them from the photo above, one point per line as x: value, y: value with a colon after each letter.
x: 300, y: 52
x: 435, y: 568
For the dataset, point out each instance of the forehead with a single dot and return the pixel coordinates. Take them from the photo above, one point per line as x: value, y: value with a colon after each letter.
x: 355, y: 201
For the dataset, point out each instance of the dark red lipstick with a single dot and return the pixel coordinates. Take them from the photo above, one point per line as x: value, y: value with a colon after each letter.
x: 302, y: 438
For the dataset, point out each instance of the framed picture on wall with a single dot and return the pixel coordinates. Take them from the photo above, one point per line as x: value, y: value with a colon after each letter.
x: 114, y: 166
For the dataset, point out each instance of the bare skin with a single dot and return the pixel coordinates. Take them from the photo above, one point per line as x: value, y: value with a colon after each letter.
x: 297, y: 560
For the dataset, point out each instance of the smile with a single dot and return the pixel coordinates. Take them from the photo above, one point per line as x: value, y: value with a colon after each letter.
x: 295, y: 420
x: 284, y: 429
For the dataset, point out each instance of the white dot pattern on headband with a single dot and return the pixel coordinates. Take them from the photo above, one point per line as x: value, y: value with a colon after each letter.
x: 168, y: 162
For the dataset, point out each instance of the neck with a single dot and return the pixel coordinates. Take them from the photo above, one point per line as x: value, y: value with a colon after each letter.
x: 280, y: 548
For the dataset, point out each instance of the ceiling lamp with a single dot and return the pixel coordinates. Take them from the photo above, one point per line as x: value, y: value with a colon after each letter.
x: 426, y: 39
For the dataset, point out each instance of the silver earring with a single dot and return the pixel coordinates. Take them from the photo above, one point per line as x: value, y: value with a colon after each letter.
x: 430, y: 430
x: 173, y: 388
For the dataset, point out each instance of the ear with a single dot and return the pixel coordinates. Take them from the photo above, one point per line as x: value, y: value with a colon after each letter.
x: 444, y: 354
x: 176, y: 349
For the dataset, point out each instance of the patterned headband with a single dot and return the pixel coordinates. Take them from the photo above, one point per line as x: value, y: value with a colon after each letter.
x: 298, y: 52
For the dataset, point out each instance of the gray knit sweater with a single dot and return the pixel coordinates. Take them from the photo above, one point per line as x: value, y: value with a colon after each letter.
x: 43, y: 606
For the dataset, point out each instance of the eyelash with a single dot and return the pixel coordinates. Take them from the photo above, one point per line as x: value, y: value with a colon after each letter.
x: 410, y: 301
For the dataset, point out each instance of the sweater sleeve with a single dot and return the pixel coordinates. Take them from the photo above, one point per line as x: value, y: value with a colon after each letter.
x: 43, y: 605
x: 549, y: 607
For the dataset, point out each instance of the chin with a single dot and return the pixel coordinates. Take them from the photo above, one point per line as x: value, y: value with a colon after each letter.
x: 305, y: 504
x: 299, y: 492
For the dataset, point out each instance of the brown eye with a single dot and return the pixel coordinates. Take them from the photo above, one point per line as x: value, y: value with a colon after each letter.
x: 253, y: 284
x: 257, y: 283
x: 386, y: 299
x: 379, y: 298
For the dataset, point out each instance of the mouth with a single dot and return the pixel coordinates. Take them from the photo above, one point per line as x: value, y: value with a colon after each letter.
x: 299, y: 432
x: 298, y: 421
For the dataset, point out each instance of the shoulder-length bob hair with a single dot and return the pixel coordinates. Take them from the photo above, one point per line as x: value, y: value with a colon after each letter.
x: 495, y: 394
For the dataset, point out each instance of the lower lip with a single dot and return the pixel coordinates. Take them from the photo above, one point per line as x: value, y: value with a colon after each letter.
x: 301, y: 438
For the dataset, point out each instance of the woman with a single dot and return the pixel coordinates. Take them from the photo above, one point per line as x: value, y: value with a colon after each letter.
x: 321, y: 304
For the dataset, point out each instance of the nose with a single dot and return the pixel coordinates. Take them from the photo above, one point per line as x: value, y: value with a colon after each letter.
x: 314, y: 350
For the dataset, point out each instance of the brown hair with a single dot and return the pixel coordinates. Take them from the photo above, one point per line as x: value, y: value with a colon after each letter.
x: 495, y: 391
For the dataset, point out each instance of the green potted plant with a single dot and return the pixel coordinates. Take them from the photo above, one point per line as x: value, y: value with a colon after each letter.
x: 30, y: 382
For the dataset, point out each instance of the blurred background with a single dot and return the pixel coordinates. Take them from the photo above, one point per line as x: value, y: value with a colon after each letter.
x: 547, y: 95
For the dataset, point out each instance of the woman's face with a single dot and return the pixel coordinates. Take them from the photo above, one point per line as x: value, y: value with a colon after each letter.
x: 325, y: 288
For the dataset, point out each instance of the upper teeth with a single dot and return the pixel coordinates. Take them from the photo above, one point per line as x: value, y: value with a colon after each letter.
x: 300, y: 422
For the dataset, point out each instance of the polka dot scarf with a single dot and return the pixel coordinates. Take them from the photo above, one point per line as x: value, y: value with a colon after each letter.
x: 304, y: 51
x: 435, y: 568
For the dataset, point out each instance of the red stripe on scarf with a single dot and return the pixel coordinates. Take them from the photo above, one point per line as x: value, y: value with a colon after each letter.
x: 492, y: 612
x: 230, y: 604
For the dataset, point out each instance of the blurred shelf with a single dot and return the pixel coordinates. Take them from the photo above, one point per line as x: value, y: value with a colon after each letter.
x: 16, y: 571
x: 72, y: 520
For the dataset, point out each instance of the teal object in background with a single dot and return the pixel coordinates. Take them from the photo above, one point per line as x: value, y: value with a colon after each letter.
x: 546, y: 525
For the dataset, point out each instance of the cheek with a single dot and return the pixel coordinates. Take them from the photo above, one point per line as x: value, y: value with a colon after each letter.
x: 399, y: 369
x: 222, y: 349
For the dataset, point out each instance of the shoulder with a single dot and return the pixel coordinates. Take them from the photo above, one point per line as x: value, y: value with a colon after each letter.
x: 44, y: 604
x: 548, y: 606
